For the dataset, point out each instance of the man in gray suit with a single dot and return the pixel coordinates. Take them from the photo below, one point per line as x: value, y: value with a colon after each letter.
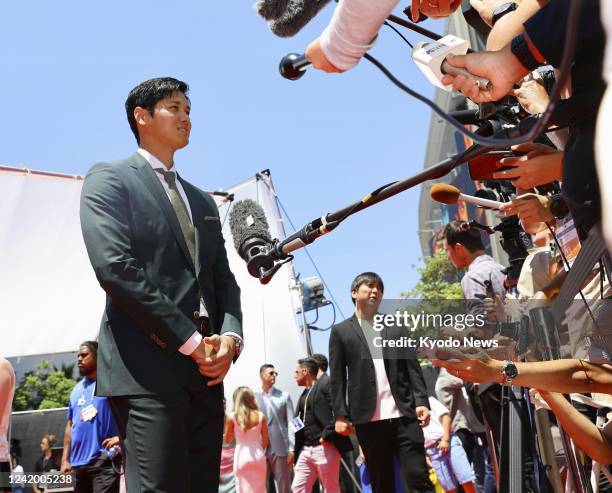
x: 172, y: 323
x: 278, y: 408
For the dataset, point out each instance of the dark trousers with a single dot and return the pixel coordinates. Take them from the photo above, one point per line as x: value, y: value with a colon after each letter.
x: 98, y: 477
x: 172, y: 443
x: 381, y: 440
x: 5, y: 470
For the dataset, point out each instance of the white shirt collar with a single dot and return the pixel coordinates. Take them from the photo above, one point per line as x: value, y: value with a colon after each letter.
x: 153, y: 161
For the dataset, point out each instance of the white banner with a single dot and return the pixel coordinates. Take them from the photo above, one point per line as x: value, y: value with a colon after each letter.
x: 50, y: 300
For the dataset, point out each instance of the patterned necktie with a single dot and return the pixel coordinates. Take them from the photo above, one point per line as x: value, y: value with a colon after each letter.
x: 180, y: 209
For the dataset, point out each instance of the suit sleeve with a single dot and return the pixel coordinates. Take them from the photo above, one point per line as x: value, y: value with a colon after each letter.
x: 417, y: 382
x: 290, y: 416
x: 330, y: 427
x: 546, y: 28
x: 106, y: 232
x: 226, y: 289
x: 337, y: 369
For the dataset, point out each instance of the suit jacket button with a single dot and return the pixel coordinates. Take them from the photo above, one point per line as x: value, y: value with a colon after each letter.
x: 196, y: 314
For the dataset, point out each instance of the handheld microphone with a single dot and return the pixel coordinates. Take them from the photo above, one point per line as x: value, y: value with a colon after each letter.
x: 293, y: 66
x: 287, y: 17
x: 431, y: 59
x: 448, y: 194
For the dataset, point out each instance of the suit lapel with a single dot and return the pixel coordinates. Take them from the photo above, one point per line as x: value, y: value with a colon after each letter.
x: 151, y: 181
x: 359, y: 332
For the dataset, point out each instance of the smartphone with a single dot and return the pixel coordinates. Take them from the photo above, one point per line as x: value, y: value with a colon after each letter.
x: 483, y: 167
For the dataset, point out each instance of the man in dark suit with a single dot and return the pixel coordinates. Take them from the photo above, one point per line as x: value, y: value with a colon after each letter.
x: 317, y: 446
x: 387, y: 397
x: 172, y: 323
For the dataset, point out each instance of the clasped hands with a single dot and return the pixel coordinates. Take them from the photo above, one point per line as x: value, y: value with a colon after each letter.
x: 214, y: 356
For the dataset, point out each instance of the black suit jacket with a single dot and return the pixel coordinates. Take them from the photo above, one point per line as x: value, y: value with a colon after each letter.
x: 140, y: 258
x: 353, y: 374
x: 321, y: 400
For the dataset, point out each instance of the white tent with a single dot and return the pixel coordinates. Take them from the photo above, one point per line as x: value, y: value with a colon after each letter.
x: 50, y: 300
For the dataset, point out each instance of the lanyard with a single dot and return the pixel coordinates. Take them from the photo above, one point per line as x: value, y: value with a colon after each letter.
x: 82, y: 401
x: 306, y: 403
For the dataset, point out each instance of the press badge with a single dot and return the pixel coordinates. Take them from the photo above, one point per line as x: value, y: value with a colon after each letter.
x: 89, y: 413
x: 297, y: 424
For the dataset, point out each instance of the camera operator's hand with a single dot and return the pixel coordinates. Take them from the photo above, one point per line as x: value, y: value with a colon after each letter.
x: 540, y: 165
x: 531, y: 208
x: 433, y: 8
x: 314, y: 54
x: 532, y: 95
x: 502, y: 68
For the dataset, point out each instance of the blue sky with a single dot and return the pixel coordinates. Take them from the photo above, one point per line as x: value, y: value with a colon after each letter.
x: 328, y: 139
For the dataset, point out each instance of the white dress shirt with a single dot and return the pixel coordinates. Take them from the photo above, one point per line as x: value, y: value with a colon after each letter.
x: 190, y: 345
x: 386, y: 407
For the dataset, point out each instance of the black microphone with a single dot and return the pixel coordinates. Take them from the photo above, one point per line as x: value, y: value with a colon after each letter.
x: 251, y: 233
x: 255, y: 246
x: 293, y: 66
x: 287, y: 17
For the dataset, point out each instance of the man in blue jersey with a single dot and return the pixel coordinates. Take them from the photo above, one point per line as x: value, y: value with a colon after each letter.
x: 91, y: 443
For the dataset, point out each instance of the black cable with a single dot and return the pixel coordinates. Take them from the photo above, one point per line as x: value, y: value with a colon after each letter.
x: 386, y: 23
x: 308, y: 254
x: 536, y: 130
x: 330, y: 326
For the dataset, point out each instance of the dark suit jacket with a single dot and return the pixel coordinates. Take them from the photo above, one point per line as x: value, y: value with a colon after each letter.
x: 321, y: 400
x: 141, y: 260
x: 352, y: 373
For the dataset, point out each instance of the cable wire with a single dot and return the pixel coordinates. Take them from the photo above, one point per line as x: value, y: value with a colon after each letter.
x: 386, y: 23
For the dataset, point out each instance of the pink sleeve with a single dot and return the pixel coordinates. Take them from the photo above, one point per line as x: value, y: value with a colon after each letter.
x: 353, y: 29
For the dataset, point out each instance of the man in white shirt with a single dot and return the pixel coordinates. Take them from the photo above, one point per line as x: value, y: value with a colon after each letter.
x: 387, y: 397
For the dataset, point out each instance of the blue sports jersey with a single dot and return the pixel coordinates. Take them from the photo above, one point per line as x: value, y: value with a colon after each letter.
x: 88, y: 434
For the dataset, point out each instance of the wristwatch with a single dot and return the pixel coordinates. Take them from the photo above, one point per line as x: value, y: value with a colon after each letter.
x: 239, y: 344
x: 509, y: 372
x: 558, y: 207
x: 503, y: 9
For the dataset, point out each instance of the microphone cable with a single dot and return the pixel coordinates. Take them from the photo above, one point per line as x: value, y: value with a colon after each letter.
x: 540, y: 124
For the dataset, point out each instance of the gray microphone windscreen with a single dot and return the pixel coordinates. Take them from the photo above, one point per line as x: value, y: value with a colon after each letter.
x: 296, y: 15
x: 270, y: 9
x: 247, y: 220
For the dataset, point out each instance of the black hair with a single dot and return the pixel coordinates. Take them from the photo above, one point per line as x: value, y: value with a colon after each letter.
x: 321, y: 361
x: 310, y: 365
x: 367, y: 278
x: 92, y: 345
x: 148, y: 93
x: 264, y: 367
x: 470, y: 238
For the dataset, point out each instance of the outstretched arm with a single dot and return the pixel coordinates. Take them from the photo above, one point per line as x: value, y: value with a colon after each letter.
x: 565, y: 375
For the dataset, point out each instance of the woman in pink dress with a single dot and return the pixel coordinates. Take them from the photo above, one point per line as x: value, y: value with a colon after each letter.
x: 249, y: 428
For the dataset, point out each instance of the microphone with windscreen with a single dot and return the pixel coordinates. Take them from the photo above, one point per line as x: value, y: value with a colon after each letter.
x: 287, y: 17
x: 251, y: 234
x: 448, y: 194
x: 252, y: 240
